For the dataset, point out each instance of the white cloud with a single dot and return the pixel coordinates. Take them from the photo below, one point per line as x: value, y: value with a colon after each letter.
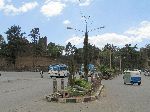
x: 1, y: 4
x: 80, y: 2
x: 101, y: 40
x: 66, y: 22
x: 10, y: 9
x: 133, y: 35
x: 9, y: 1
x: 52, y: 8
x: 55, y: 7
x: 142, y: 30
x: 85, y: 2
x: 112, y: 38
x: 75, y: 40
x: 28, y: 6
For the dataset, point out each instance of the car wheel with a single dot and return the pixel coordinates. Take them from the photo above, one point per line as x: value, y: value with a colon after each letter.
x: 132, y: 82
x: 139, y: 83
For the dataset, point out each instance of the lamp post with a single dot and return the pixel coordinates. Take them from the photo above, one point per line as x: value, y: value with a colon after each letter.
x: 110, y: 63
x: 85, y: 47
x: 120, y: 63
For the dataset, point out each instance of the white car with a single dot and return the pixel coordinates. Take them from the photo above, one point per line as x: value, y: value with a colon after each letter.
x: 146, y: 73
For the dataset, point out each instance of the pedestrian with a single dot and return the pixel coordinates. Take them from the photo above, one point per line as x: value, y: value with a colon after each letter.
x: 0, y: 74
x: 41, y: 74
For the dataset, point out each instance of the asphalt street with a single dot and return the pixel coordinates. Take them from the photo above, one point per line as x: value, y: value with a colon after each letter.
x: 26, y: 91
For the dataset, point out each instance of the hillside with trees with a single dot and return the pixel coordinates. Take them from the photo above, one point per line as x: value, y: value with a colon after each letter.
x: 18, y: 49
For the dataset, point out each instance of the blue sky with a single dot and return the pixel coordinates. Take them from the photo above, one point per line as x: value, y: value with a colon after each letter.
x: 125, y: 21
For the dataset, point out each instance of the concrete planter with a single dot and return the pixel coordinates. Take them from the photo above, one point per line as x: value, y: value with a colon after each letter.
x: 77, y: 99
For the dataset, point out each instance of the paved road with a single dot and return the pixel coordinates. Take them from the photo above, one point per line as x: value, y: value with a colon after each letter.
x: 116, y: 97
x: 19, y: 88
x: 127, y: 98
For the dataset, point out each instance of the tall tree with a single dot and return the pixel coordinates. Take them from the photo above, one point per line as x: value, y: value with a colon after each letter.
x: 35, y: 35
x: 2, y: 46
x: 108, y: 54
x: 93, y: 53
x: 70, y: 52
x: 1, y: 40
x: 145, y: 56
x: 42, y: 46
x: 55, y: 51
x: 79, y: 56
x: 15, y: 39
x: 130, y: 56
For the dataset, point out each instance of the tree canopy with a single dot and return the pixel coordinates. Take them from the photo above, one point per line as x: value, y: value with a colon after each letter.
x: 17, y: 45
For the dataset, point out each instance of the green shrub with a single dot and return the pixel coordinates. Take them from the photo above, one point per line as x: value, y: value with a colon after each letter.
x: 74, y: 92
x: 105, y: 70
x: 77, y: 92
x: 83, y: 83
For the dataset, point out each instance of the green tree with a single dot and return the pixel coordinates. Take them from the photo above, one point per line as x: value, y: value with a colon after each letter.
x: 107, y: 55
x: 70, y: 53
x: 145, y: 56
x: 55, y: 51
x: 79, y: 56
x: 130, y: 57
x: 16, y: 43
x: 2, y: 46
x: 1, y: 40
x: 42, y: 46
x: 35, y: 35
x: 93, y: 53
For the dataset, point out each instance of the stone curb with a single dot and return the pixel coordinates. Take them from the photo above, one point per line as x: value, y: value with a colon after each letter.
x: 77, y: 99
x: 97, y: 94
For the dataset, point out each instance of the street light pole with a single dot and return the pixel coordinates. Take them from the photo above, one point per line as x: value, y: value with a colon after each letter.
x: 85, y: 54
x: 110, y: 59
x: 85, y: 47
x: 120, y: 63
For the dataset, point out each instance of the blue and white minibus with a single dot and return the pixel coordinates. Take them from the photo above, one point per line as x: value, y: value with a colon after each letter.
x: 58, y: 70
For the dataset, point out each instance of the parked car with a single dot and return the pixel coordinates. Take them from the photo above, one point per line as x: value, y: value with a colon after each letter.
x: 147, y: 73
x: 91, y: 67
x: 138, y: 70
x: 132, y: 77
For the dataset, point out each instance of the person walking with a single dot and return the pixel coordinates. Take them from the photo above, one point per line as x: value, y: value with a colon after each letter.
x: 41, y: 74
